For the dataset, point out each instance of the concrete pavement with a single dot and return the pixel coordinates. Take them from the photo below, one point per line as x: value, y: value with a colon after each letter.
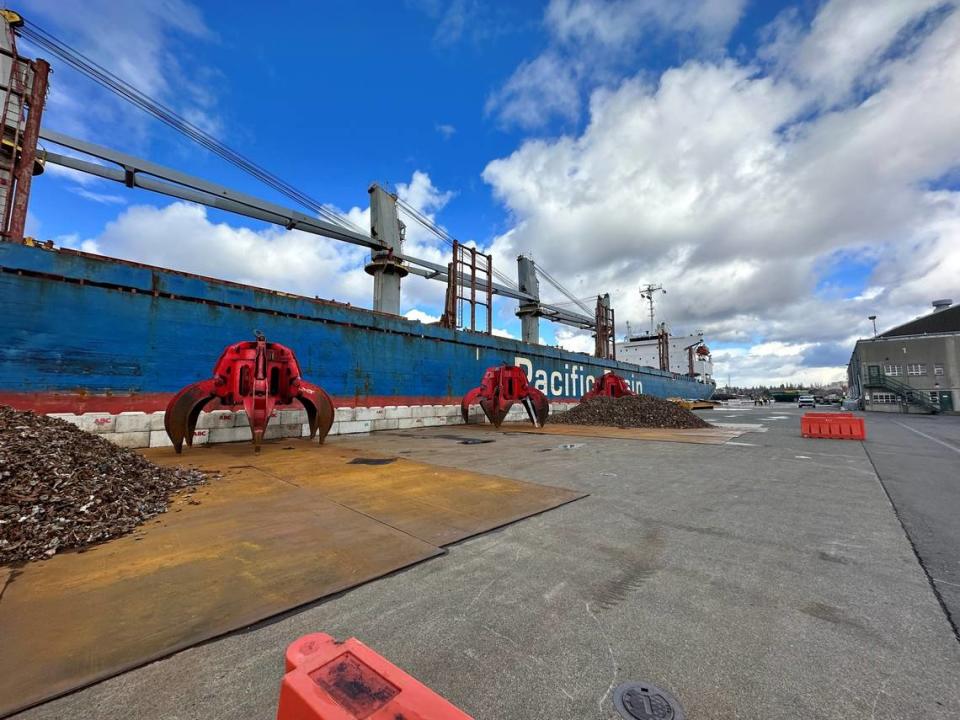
x: 764, y: 579
x: 918, y: 460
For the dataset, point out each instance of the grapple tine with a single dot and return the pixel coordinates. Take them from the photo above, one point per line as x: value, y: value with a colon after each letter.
x: 319, y: 409
x: 469, y: 399
x: 180, y: 418
x: 538, y: 407
x: 495, y: 411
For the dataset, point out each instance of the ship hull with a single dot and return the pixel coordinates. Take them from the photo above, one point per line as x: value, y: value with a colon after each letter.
x: 83, y: 333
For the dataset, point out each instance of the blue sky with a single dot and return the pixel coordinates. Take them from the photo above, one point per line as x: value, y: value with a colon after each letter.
x: 332, y: 98
x: 773, y: 164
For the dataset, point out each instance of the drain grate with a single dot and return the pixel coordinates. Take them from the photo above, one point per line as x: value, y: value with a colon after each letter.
x: 643, y: 701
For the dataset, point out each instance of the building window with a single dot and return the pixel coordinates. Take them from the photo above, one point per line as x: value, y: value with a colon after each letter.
x: 883, y: 398
x: 893, y: 370
x: 938, y: 369
x: 917, y: 369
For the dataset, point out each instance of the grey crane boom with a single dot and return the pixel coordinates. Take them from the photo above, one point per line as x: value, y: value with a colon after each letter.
x: 136, y: 172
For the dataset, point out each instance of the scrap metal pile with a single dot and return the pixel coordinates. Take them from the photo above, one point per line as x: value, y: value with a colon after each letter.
x: 62, y: 488
x: 630, y: 411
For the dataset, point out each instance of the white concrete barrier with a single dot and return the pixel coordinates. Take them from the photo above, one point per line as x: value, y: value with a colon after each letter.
x: 140, y: 429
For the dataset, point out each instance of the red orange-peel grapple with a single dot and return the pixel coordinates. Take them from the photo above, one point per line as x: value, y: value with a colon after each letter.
x: 609, y: 385
x: 500, y: 388
x: 259, y: 375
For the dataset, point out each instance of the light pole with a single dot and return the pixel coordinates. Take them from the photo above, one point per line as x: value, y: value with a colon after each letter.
x: 873, y: 318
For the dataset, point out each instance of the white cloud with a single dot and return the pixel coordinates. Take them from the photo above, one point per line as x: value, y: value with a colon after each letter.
x: 446, y: 130
x: 474, y: 20
x: 182, y: 236
x: 590, y: 38
x: 615, y: 23
x: 102, y: 198
x: 846, y: 41
x: 538, y: 89
x: 574, y: 340
x: 719, y: 182
x: 421, y: 316
x: 147, y: 44
x: 772, y: 364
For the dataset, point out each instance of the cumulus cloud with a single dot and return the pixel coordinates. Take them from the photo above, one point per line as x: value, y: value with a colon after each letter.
x: 735, y: 183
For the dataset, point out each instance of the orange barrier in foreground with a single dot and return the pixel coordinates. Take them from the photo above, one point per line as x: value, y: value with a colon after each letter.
x: 835, y: 426
x: 330, y: 680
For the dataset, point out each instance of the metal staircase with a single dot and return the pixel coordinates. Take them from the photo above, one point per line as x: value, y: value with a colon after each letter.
x: 907, y: 394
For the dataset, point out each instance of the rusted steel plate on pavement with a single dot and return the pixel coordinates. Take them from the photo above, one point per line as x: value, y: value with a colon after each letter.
x: 279, y: 530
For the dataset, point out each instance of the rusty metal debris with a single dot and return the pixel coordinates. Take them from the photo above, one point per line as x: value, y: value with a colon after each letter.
x: 62, y: 488
x: 632, y: 411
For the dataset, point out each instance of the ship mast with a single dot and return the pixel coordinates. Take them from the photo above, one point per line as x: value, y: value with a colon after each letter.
x: 647, y: 292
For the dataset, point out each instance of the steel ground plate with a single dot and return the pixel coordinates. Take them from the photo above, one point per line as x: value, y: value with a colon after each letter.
x: 643, y: 701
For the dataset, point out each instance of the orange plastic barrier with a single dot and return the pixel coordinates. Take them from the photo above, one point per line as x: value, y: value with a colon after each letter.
x: 330, y: 680
x: 836, y: 426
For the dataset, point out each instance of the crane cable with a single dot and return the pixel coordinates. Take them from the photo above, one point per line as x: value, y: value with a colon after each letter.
x: 169, y: 117
x: 556, y: 283
x: 441, y: 233
x: 111, y: 82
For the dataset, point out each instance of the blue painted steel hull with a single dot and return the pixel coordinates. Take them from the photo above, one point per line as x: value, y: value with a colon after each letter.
x: 84, y: 332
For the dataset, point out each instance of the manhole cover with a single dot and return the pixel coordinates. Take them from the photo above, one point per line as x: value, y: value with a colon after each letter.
x: 371, y: 461
x: 642, y: 701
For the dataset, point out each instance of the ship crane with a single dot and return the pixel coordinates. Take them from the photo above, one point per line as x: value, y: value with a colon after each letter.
x: 389, y: 263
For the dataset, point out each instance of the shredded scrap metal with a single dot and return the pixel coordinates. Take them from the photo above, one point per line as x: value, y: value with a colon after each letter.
x: 631, y: 411
x: 62, y: 488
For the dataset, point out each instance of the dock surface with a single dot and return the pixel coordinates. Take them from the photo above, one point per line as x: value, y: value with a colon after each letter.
x: 767, y: 577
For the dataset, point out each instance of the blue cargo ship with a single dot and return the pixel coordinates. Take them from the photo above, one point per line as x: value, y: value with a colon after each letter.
x: 90, y: 334
x: 86, y: 333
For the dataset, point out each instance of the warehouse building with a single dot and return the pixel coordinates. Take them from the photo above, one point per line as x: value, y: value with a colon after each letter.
x: 914, y: 367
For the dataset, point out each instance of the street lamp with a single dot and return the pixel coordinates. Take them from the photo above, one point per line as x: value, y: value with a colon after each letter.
x: 874, y: 319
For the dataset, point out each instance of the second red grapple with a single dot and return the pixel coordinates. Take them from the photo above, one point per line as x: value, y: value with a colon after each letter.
x: 501, y: 387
